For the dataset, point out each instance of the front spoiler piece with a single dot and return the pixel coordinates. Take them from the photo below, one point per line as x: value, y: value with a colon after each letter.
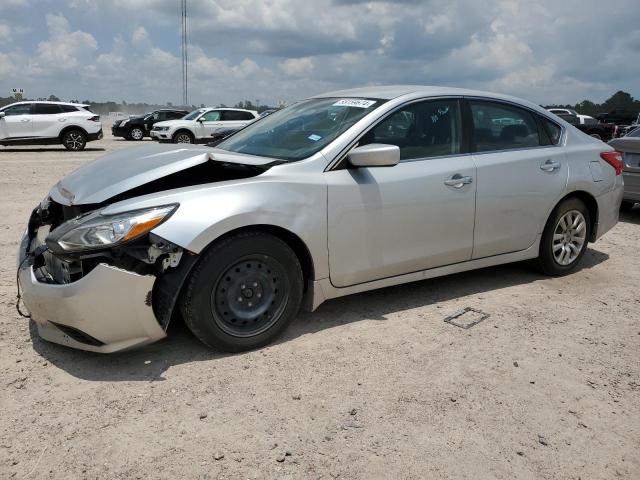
x: 110, y: 305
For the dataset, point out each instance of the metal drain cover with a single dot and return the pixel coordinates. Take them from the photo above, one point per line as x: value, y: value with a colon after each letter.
x: 466, y: 318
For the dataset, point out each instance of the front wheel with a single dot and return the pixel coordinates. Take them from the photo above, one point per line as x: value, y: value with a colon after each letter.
x: 565, y: 238
x: 183, y: 137
x: 136, y: 133
x: 243, y: 292
x: 74, y: 140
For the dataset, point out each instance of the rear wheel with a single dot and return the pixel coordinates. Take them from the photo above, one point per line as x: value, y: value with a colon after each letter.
x: 136, y: 133
x: 183, y: 137
x: 565, y: 238
x: 74, y: 140
x: 243, y: 293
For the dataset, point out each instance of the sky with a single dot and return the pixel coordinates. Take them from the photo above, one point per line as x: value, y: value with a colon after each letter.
x: 547, y: 51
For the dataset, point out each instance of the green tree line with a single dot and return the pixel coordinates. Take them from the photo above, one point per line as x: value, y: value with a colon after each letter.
x: 620, y: 100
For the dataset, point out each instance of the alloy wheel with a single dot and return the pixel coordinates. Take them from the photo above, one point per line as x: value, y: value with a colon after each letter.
x: 137, y: 134
x: 569, y: 237
x: 183, y: 138
x: 74, y: 141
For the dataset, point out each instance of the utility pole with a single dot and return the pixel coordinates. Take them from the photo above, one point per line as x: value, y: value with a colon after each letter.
x: 185, y: 79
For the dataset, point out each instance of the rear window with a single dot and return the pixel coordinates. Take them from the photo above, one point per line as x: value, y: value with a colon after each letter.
x: 554, y: 132
x: 235, y: 115
x: 499, y: 126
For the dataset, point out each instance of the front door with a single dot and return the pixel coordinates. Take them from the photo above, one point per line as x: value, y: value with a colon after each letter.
x: 17, y: 122
x: 419, y: 214
x: 209, y: 123
x: 521, y: 175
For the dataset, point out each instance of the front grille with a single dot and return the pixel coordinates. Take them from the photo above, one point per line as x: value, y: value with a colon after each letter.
x: 78, y: 335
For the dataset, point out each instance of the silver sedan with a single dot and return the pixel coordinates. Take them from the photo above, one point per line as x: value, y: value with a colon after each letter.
x: 337, y: 194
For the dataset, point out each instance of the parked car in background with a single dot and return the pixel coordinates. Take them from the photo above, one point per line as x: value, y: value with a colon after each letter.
x: 200, y: 125
x: 47, y: 123
x: 137, y: 127
x: 562, y: 111
x: 601, y: 131
x: 629, y: 145
x: 618, y: 116
x: 341, y: 193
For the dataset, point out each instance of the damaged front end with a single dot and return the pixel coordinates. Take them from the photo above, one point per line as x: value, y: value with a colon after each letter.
x: 100, y: 283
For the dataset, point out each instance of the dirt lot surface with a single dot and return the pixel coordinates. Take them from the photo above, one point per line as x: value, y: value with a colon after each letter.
x: 370, y: 386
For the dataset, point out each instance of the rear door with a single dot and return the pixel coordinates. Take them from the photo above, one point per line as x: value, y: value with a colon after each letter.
x: 388, y: 221
x: 522, y: 172
x: 17, y: 122
x: 47, y: 119
x: 234, y: 119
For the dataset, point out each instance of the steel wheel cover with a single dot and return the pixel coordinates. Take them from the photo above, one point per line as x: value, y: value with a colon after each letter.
x: 569, y: 237
x: 250, y: 296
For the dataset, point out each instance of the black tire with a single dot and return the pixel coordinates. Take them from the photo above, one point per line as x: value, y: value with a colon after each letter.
x: 547, y: 261
x: 136, y: 133
x: 74, y: 140
x: 183, y: 136
x: 217, y: 300
x: 626, y: 205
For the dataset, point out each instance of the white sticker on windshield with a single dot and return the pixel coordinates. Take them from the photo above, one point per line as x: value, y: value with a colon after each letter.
x: 354, y: 102
x: 314, y: 137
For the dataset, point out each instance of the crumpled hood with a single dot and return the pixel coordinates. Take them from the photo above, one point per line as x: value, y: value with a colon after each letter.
x: 125, y: 169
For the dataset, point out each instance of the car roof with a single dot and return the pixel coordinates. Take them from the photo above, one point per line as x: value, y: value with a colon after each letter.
x: 51, y: 103
x: 390, y: 92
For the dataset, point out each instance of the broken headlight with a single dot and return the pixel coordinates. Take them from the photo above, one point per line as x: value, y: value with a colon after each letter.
x: 95, y: 230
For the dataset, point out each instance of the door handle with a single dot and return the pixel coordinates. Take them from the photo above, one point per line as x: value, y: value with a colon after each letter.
x: 25, y: 120
x: 62, y: 119
x: 458, y: 181
x: 550, y: 165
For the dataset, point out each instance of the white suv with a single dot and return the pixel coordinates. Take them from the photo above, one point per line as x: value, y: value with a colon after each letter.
x: 203, y: 125
x: 45, y: 123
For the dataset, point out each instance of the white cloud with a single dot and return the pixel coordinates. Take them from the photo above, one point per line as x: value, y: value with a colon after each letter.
x: 297, y: 67
x: 286, y: 49
x: 5, y: 33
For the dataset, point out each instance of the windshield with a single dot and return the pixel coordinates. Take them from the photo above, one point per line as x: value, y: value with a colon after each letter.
x: 195, y: 114
x: 299, y: 131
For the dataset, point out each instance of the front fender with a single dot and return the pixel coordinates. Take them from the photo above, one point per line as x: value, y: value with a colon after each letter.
x: 297, y: 204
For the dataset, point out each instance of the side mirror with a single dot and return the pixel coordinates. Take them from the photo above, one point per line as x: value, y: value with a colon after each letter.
x: 200, y: 119
x: 374, y: 155
x: 2, y: 114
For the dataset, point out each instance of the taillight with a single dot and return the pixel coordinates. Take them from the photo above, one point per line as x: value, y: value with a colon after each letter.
x: 95, y: 118
x: 614, y: 159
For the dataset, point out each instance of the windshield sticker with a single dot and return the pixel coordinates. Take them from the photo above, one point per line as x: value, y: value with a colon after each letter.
x: 314, y: 137
x: 354, y: 102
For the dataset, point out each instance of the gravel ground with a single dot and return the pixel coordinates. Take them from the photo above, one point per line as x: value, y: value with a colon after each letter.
x: 374, y: 385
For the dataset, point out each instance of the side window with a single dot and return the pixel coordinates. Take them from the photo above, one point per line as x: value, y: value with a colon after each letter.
x: 46, y: 109
x: 230, y: 115
x: 159, y: 116
x: 212, y: 116
x: 22, y: 109
x: 554, y: 132
x: 499, y: 126
x: 68, y: 108
x: 175, y: 115
x: 421, y: 130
